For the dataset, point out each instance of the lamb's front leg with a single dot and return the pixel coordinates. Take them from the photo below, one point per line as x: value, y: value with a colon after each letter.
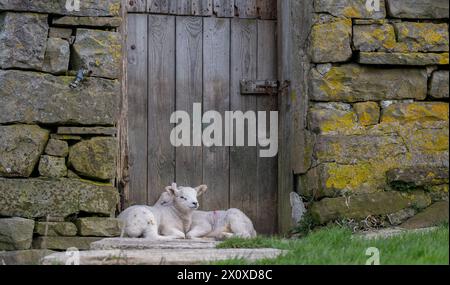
x: 198, y: 232
x: 173, y: 233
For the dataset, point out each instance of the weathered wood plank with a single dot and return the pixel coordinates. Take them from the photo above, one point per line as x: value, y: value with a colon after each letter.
x: 285, y: 175
x: 216, y: 88
x: 189, y: 90
x: 224, y: 8
x: 137, y: 105
x: 137, y: 6
x: 173, y: 7
x: 243, y: 184
x: 267, y: 9
x: 123, y: 176
x: 184, y: 7
x: 158, y: 6
x: 202, y: 7
x: 246, y: 9
x: 294, y: 22
x: 161, y: 96
x: 266, y: 167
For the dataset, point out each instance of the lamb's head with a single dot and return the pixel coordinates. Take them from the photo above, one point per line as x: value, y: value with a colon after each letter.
x: 185, y: 198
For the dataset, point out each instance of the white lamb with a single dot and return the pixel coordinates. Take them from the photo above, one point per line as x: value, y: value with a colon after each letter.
x: 163, y: 221
x: 216, y: 224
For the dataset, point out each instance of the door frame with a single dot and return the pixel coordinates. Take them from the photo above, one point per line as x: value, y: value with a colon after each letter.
x: 291, y: 103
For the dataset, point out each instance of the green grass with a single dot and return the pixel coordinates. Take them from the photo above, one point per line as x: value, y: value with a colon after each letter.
x: 336, y: 246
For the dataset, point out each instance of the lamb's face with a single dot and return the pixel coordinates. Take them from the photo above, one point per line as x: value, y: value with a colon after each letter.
x: 185, y: 198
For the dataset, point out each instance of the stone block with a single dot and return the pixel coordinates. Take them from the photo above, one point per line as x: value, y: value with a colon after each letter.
x: 52, y: 166
x: 94, y: 158
x: 57, y: 148
x: 55, y: 229
x: 416, y: 177
x: 23, y: 38
x: 417, y: 111
x: 362, y: 206
x: 439, y: 87
x: 33, y: 97
x: 55, y: 197
x: 414, y: 58
x: 96, y: 8
x: 356, y: 83
x: 325, y: 118
x: 99, y: 227
x: 330, y: 42
x: 99, y: 52
x: 418, y: 9
x: 350, y: 9
x: 57, y: 56
x: 434, y: 215
x: 368, y: 113
x: 20, y: 149
x: 64, y: 243
x: 16, y: 233
x: 102, y: 22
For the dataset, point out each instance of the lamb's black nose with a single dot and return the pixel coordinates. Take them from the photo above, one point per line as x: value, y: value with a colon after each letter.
x: 195, y: 203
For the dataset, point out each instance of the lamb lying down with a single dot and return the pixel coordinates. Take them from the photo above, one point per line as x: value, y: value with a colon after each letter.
x: 163, y: 222
x: 216, y: 224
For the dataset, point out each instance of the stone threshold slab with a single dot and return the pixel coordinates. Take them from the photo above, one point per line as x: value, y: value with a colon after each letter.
x: 142, y: 244
x: 161, y: 256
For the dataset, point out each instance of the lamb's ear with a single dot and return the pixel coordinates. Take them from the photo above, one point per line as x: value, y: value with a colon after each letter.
x: 173, y: 190
x: 201, y: 189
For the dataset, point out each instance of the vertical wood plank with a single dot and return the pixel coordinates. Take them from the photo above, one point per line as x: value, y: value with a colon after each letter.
x: 123, y: 167
x: 246, y: 9
x: 267, y: 9
x: 224, y: 8
x: 202, y: 7
x: 136, y: 5
x: 173, y: 7
x: 243, y: 184
x: 158, y: 6
x: 267, y: 167
x: 189, y: 90
x: 184, y: 7
x: 216, y: 89
x: 161, y: 96
x: 137, y: 106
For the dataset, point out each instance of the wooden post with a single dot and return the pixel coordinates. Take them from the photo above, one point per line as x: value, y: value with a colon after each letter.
x: 294, y: 24
x: 122, y: 125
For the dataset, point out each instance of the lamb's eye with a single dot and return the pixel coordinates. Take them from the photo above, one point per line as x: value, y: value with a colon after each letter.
x: 184, y: 198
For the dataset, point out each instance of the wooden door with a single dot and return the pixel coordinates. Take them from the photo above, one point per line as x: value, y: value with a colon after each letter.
x: 180, y: 54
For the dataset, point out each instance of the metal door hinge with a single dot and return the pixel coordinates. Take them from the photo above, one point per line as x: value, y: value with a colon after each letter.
x: 262, y: 87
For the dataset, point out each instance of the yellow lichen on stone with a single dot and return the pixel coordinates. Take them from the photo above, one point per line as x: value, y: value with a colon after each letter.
x: 368, y: 113
x: 114, y: 9
x: 348, y: 177
x: 339, y: 123
x: 351, y: 12
x: 362, y: 177
x: 333, y: 82
x: 444, y: 59
x: 416, y: 112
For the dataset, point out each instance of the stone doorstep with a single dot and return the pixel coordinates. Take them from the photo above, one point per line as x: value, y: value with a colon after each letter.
x: 162, y: 256
x: 142, y: 244
x: 390, y: 232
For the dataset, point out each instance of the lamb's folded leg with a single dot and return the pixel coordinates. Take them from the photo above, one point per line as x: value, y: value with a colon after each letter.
x: 173, y: 234
x: 197, y: 233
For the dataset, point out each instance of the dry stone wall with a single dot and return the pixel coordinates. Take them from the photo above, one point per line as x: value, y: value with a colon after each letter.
x: 378, y: 116
x: 58, y: 142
